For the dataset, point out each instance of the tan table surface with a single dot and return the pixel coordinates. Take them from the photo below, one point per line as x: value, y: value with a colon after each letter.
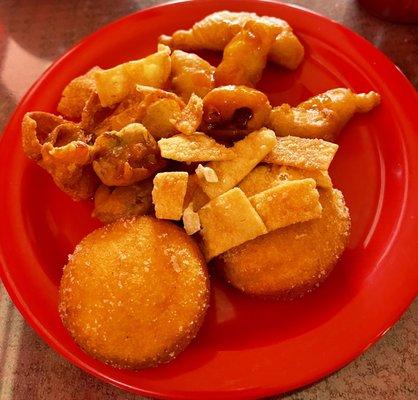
x: 36, y: 33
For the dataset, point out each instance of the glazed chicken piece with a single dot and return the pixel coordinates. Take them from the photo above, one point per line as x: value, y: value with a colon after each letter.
x: 216, y: 30
x: 321, y: 116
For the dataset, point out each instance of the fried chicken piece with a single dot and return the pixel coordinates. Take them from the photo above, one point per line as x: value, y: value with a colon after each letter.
x: 134, y: 293
x: 67, y: 157
x: 122, y: 202
x: 245, y: 56
x: 127, y: 156
x: 321, y: 116
x: 216, y: 30
x: 231, y: 112
x: 190, y: 74
x: 293, y: 260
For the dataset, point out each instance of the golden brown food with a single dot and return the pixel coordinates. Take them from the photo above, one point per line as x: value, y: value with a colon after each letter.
x: 127, y: 156
x: 190, y: 117
x: 67, y: 157
x: 122, y: 202
x: 134, y: 293
x: 291, y: 261
x: 36, y: 129
x: 216, y: 30
x: 310, y: 154
x: 322, y: 116
x: 190, y: 74
x: 245, y: 56
x: 76, y: 94
x: 114, y: 84
x: 231, y: 112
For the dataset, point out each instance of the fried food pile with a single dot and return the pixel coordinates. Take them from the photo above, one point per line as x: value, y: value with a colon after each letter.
x: 171, y: 140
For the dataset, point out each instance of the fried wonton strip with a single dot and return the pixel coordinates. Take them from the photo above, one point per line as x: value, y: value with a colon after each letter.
x: 288, y: 203
x: 36, y: 129
x: 122, y: 202
x: 302, y: 153
x: 245, y: 56
x: 76, y: 94
x: 190, y: 74
x: 206, y: 173
x: 248, y: 153
x: 193, y: 148
x: 122, y: 158
x: 322, y: 116
x: 194, y: 194
x: 228, y: 221
x: 216, y: 30
x: 264, y: 177
x: 191, y: 220
x: 168, y: 194
x: 116, y: 83
x: 160, y: 109
x: 69, y: 164
x: 190, y: 117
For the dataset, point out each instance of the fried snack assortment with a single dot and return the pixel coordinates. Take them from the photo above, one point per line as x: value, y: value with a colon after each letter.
x: 169, y: 137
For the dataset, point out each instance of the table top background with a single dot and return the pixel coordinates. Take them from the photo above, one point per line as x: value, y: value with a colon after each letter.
x: 32, y: 35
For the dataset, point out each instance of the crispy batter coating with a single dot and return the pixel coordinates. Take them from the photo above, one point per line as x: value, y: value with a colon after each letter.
x: 114, y: 84
x: 264, y: 177
x: 194, y: 148
x: 190, y: 74
x: 190, y: 116
x: 216, y: 30
x: 134, y: 293
x: 245, y: 56
x: 76, y: 94
x: 291, y: 261
x: 36, y: 129
x: 126, y: 157
x: 322, y: 116
x: 67, y: 157
x: 122, y: 202
x: 231, y: 112
x: 310, y: 154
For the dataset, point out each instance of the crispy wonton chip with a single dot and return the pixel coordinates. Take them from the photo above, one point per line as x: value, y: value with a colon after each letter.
x: 288, y: 203
x: 228, y: 221
x: 168, y: 194
x: 248, y: 153
x: 195, y: 194
x: 194, y: 148
x: 116, y: 83
x: 206, y: 173
x: 190, y: 117
x: 76, y: 94
x: 191, y: 220
x: 302, y: 153
x: 266, y: 176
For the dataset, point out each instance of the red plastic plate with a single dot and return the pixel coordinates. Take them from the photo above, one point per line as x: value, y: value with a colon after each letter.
x: 247, y: 347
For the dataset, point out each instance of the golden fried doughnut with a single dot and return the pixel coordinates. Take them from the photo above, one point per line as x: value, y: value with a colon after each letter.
x: 291, y: 261
x: 134, y: 293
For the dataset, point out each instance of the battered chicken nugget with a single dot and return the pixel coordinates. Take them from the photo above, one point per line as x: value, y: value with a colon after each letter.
x: 322, y: 116
x: 291, y: 261
x: 245, y: 56
x: 76, y: 94
x: 122, y: 202
x: 231, y: 112
x: 216, y: 30
x: 190, y: 74
x: 134, y: 293
x: 126, y: 157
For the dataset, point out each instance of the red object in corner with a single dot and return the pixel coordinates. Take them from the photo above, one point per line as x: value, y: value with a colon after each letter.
x: 247, y: 348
